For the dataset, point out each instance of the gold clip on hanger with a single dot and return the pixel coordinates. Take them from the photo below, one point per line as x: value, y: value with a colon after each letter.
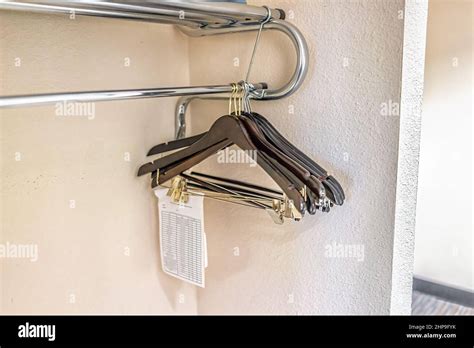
x: 178, y: 190
x: 278, y: 209
x: 282, y: 209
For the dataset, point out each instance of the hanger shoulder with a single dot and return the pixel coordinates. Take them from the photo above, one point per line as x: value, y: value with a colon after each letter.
x: 174, y: 144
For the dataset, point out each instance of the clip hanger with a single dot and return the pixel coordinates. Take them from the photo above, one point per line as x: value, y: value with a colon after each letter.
x: 178, y: 190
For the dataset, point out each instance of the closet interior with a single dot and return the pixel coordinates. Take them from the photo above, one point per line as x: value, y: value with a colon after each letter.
x: 304, y: 186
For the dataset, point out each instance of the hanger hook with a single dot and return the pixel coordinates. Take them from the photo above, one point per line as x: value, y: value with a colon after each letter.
x: 236, y: 99
x: 246, y: 89
x: 231, y: 97
x: 265, y: 21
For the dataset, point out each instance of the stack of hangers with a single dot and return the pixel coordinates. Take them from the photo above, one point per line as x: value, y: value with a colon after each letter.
x: 305, y: 185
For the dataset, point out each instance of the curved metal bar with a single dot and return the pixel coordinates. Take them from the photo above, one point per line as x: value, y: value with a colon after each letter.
x: 296, y: 37
x: 302, y: 57
x: 180, y: 116
x: 182, y: 107
x: 243, y: 21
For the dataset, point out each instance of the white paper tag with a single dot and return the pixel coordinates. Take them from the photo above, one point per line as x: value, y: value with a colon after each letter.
x: 182, y: 238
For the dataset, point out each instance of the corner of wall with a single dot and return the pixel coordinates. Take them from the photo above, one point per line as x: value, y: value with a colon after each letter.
x: 409, y: 148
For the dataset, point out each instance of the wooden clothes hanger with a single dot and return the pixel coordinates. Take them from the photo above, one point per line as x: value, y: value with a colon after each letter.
x: 318, y: 176
x: 225, y: 131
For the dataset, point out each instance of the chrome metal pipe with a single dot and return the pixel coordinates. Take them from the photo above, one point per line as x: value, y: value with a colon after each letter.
x: 196, y: 15
x: 296, y: 37
x: 232, y: 17
x: 97, y: 96
x: 301, y: 69
x: 182, y: 107
x: 124, y: 94
x: 180, y: 116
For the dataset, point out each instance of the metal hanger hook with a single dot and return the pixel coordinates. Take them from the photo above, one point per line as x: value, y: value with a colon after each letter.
x: 265, y: 21
x: 246, y: 89
x: 232, y: 97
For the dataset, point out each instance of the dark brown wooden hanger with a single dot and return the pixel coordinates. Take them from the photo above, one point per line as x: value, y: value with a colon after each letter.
x: 319, y: 177
x: 225, y: 131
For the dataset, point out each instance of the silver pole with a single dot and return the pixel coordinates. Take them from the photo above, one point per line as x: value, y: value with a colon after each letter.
x: 97, y: 96
x: 196, y: 15
x: 124, y: 94
x: 230, y: 18
x: 299, y: 43
x: 302, y: 58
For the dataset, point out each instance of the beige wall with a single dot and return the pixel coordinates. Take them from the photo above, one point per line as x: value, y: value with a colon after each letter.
x: 283, y: 269
x: 443, y: 251
x: 82, y: 251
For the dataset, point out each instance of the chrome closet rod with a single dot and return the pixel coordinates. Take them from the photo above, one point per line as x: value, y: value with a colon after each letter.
x: 97, y: 96
x: 141, y: 10
x: 302, y: 58
x: 196, y: 15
